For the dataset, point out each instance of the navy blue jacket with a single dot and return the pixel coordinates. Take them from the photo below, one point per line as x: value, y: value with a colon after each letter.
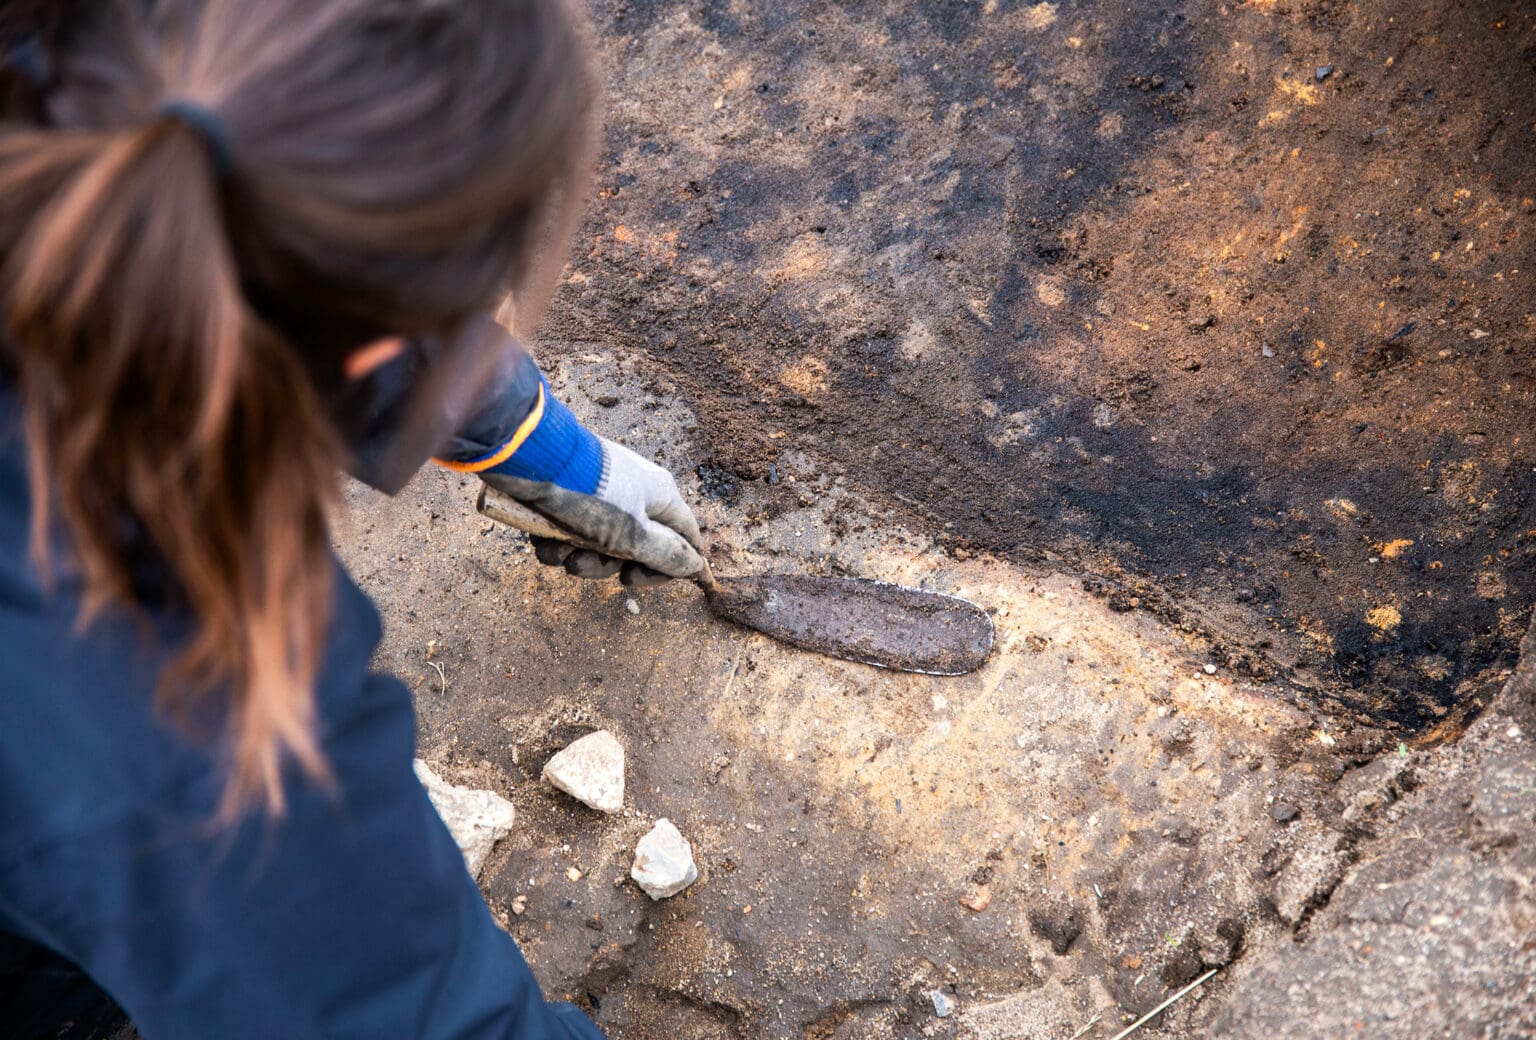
x: 351, y: 917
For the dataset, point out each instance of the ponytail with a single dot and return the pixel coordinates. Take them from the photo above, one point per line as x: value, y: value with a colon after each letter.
x: 161, y: 415
x: 180, y: 288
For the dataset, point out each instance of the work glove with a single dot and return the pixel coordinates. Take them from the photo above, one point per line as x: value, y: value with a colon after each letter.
x: 636, y: 514
x: 600, y: 491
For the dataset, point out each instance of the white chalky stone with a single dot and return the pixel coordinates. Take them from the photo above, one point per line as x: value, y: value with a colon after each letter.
x: 663, y: 862
x: 477, y: 819
x: 591, y: 771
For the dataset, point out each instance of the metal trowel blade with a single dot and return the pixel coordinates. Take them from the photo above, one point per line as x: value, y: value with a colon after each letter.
x: 872, y: 622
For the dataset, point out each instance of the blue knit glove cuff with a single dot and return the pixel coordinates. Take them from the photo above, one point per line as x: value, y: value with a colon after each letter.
x: 558, y: 450
x: 548, y: 446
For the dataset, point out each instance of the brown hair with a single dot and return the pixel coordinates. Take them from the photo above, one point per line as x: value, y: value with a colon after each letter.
x: 176, y: 330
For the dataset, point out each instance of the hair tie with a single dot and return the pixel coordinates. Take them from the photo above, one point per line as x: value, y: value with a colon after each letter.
x: 207, y: 124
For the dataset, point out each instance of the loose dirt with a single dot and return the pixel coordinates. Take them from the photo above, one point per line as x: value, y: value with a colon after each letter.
x: 1227, y: 304
x: 1184, y: 335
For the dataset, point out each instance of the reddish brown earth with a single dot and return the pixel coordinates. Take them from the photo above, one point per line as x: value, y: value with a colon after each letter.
x: 1137, y: 287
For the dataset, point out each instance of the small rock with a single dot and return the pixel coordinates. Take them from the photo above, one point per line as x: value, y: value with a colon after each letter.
x: 718, y: 764
x: 977, y: 899
x: 1210, y: 669
x: 943, y: 1006
x: 519, y: 905
x: 1267, y: 350
x: 573, y: 874
x: 1283, y: 812
x: 663, y: 862
x: 630, y: 605
x: 1323, y: 72
x: 591, y: 771
x: 477, y: 819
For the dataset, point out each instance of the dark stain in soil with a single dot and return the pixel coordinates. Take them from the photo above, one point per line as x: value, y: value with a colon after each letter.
x: 1129, y: 286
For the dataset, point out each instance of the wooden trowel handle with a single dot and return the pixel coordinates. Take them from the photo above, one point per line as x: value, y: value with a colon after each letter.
x: 505, y: 509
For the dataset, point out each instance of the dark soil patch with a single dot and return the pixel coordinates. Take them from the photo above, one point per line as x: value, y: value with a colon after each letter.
x: 1131, y: 285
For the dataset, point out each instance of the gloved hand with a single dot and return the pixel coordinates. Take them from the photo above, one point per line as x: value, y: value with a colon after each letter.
x: 636, y: 513
x: 596, y: 489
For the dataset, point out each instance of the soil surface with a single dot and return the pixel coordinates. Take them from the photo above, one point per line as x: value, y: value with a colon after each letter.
x: 1049, y: 847
x: 1227, y: 304
x: 1194, y: 341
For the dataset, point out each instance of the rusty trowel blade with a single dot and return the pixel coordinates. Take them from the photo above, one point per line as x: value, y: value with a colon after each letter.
x: 871, y: 622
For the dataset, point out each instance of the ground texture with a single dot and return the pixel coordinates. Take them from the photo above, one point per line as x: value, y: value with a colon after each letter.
x: 1181, y: 335
x: 1233, y: 302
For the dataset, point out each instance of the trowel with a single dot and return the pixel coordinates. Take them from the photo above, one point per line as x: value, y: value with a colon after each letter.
x: 856, y: 619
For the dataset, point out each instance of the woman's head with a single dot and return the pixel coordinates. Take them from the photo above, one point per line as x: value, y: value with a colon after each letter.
x: 178, y: 321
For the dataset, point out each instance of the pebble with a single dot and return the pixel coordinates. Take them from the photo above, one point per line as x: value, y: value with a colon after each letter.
x: 663, y: 862
x: 943, y: 1006
x: 977, y: 899
x: 477, y: 819
x: 1323, y: 72
x: 591, y: 770
x: 1210, y: 669
x: 631, y: 606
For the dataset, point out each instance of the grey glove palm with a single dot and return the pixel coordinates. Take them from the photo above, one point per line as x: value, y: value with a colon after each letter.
x: 636, y: 516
